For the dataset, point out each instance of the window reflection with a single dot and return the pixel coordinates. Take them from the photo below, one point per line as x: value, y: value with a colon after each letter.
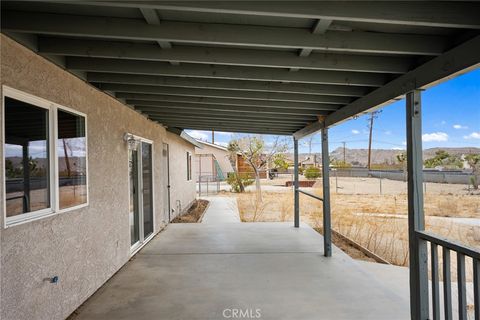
x: 27, y: 159
x: 72, y: 162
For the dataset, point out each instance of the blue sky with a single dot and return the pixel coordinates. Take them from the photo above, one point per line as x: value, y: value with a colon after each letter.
x: 451, y: 118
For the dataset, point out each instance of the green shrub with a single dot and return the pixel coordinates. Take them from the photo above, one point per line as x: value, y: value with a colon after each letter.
x: 312, y: 173
x: 233, y: 181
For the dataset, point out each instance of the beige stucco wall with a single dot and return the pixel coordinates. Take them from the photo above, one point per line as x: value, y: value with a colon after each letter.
x: 182, y: 192
x: 83, y: 247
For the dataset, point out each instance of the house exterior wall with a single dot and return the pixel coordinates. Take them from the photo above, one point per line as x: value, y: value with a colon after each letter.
x: 220, y: 155
x: 182, y: 192
x: 83, y: 247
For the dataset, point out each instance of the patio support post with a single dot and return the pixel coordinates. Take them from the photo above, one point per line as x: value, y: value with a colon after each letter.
x: 295, y: 184
x: 416, y: 219
x: 327, y: 228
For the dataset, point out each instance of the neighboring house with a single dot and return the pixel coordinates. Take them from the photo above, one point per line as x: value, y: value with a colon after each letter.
x: 209, y: 153
x: 309, y: 161
x: 212, y: 160
x: 79, y: 220
x: 305, y: 160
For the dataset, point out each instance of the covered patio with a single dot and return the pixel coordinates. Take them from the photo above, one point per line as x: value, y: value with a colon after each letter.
x: 285, y: 68
x: 209, y: 270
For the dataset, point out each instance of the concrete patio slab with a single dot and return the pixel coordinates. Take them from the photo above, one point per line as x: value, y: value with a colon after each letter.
x: 197, y: 271
x: 221, y: 210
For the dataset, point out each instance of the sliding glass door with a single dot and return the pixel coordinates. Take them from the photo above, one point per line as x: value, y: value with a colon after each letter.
x: 141, y: 192
x: 147, y: 192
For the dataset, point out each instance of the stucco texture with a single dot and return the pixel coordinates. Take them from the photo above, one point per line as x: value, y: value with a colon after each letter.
x: 87, y: 246
x: 182, y: 192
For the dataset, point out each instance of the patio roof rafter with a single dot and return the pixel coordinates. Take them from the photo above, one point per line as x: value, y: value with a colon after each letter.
x: 228, y: 128
x: 237, y: 94
x: 207, y: 118
x: 199, y: 114
x: 421, y: 13
x: 230, y: 103
x: 225, y: 72
x: 223, y: 56
x: 221, y: 34
x: 320, y: 27
x: 198, y: 108
x: 316, y: 89
x: 222, y: 125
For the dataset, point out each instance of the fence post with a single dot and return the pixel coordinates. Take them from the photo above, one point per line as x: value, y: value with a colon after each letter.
x: 419, y: 308
x: 336, y: 180
x: 380, y: 182
x: 327, y: 229
x: 295, y: 185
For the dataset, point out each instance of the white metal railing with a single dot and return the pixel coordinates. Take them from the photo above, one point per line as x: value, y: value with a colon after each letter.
x: 461, y: 252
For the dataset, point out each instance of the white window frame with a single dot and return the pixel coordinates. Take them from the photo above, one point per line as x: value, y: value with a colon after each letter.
x: 53, y: 154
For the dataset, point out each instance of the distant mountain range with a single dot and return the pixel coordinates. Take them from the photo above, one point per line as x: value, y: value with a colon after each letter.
x: 356, y: 157
x: 359, y: 157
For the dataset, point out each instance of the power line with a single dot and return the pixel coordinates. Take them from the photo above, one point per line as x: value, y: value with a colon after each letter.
x: 373, y: 115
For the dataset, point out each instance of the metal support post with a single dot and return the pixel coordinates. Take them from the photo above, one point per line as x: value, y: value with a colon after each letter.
x: 416, y: 219
x: 295, y: 185
x: 327, y: 228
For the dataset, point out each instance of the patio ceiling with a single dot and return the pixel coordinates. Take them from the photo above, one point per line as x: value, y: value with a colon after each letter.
x: 259, y: 67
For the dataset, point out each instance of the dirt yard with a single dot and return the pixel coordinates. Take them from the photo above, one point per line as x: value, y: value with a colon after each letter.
x: 194, y: 214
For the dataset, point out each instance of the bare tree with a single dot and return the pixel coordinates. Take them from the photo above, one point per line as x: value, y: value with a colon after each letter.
x: 258, y: 155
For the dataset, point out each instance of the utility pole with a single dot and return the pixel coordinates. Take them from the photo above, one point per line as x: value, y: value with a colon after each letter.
x: 373, y: 115
x: 344, y: 155
x: 213, y: 136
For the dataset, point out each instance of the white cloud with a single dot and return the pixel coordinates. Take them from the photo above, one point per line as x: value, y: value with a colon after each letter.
x: 197, y: 134
x: 435, y: 136
x: 388, y: 132
x: 473, y: 135
x: 443, y: 122
x: 459, y: 126
x: 355, y: 131
x: 404, y: 143
x: 398, y: 148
